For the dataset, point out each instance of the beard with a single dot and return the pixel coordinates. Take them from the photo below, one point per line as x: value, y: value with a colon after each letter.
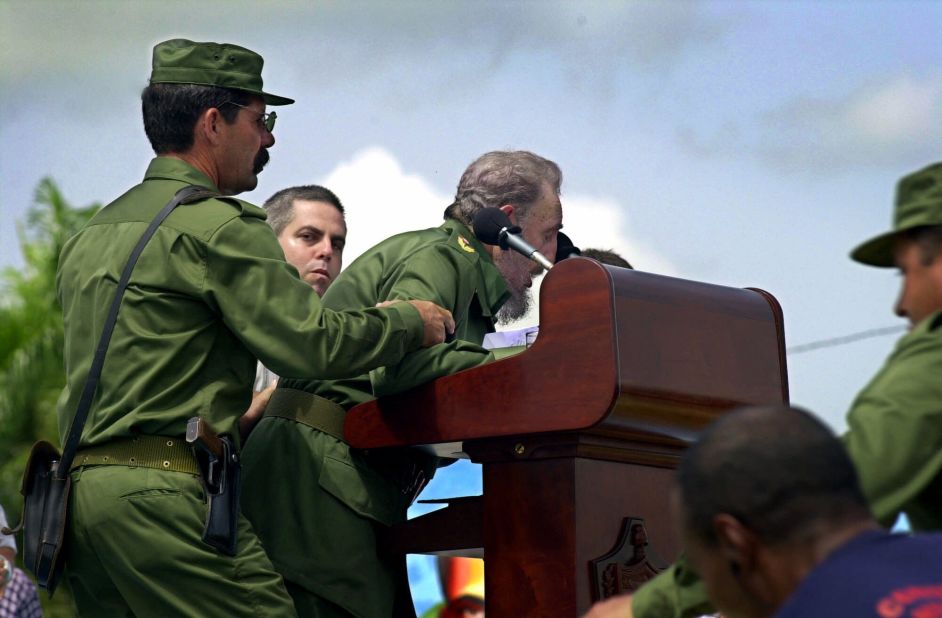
x: 516, y: 272
x: 261, y: 160
x: 516, y: 306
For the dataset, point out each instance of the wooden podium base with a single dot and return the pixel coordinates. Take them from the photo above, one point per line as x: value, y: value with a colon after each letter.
x: 545, y: 516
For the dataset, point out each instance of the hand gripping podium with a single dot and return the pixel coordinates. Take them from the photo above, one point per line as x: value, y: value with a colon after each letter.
x: 579, y: 434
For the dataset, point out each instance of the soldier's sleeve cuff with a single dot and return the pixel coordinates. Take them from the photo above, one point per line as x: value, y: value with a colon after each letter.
x: 405, y: 317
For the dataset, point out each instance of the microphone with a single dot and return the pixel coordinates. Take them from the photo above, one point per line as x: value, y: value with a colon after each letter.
x: 492, y: 227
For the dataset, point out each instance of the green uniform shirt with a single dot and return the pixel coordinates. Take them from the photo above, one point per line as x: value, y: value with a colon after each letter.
x: 319, y: 526
x: 894, y: 439
x: 446, y: 265
x: 894, y: 432
x: 209, y: 295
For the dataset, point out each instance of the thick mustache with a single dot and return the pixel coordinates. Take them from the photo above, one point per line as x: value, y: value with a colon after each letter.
x: 261, y: 160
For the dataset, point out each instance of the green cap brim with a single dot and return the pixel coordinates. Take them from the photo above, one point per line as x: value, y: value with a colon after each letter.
x: 270, y: 99
x: 877, y: 251
x: 274, y: 99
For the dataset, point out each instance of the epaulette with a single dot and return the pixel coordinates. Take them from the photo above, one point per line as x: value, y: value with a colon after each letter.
x: 464, y: 244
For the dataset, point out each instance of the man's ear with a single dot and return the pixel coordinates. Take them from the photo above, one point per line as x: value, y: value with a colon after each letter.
x: 208, y: 125
x: 737, y: 544
x: 508, y: 209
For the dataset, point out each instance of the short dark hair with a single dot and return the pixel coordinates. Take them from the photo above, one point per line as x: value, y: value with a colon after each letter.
x: 280, y: 206
x: 929, y: 240
x: 778, y: 470
x: 171, y: 111
x: 503, y: 177
x: 607, y: 256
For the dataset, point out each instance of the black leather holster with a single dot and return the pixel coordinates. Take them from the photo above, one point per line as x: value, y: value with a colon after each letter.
x: 221, y: 476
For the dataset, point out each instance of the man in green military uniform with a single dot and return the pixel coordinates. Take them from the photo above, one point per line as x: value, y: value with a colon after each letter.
x: 895, y: 424
x: 320, y: 525
x: 210, y: 294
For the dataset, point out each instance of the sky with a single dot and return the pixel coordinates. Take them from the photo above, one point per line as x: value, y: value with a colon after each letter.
x: 747, y: 144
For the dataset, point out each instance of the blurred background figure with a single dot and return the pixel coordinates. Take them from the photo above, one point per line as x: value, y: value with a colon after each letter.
x: 607, y: 256
x: 566, y: 249
x: 18, y: 598
x: 462, y: 580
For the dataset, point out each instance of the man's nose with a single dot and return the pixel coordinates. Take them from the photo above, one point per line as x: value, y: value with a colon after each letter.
x: 899, y: 308
x: 324, y: 250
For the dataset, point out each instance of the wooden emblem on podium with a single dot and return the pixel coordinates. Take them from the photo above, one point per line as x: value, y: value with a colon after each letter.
x: 629, y: 564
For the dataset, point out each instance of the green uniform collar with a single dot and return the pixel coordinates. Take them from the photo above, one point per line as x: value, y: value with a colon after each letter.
x: 171, y: 168
x: 495, y: 292
x: 926, y: 329
x: 928, y: 325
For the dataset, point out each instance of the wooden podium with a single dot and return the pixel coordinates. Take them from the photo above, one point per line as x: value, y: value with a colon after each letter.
x: 579, y: 434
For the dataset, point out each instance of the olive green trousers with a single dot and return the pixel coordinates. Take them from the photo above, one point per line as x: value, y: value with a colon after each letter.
x: 134, y: 547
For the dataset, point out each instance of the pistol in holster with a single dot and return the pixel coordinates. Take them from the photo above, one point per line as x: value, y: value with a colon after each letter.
x: 221, y: 471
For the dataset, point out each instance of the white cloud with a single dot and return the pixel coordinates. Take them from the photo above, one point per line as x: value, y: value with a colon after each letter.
x: 600, y: 223
x: 381, y: 199
x: 901, y: 110
x: 880, y: 123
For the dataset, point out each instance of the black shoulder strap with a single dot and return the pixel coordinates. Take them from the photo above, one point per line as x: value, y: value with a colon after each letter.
x: 185, y: 195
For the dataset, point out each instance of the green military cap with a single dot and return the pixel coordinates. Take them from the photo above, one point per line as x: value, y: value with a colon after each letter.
x: 918, y: 203
x: 179, y: 61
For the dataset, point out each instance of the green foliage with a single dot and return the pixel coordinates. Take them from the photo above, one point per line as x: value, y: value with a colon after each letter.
x: 31, y: 339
